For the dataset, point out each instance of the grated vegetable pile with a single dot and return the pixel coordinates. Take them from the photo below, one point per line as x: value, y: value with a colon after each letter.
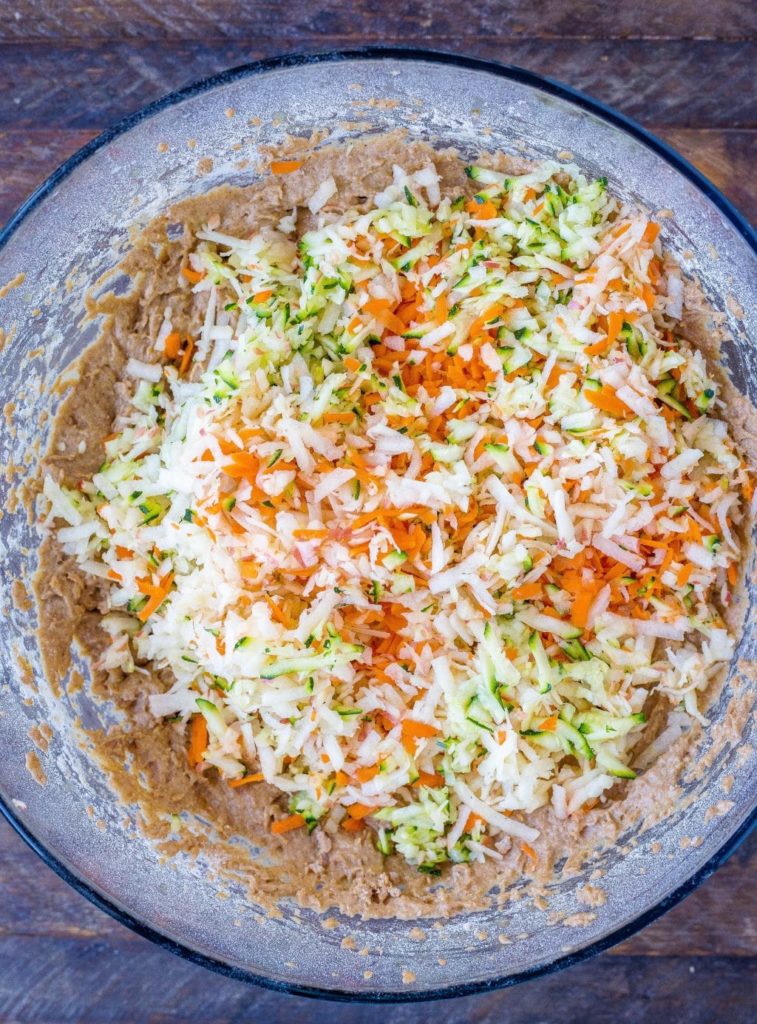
x: 432, y: 502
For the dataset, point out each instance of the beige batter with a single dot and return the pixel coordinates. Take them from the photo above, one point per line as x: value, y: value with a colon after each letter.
x: 146, y: 758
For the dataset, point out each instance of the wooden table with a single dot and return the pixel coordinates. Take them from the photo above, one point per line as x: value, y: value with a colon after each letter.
x: 685, y: 69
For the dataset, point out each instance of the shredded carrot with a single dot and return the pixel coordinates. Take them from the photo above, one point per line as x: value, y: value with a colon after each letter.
x: 247, y: 433
x: 552, y: 612
x: 285, y: 166
x: 358, y: 811
x: 555, y: 374
x: 606, y: 400
x: 582, y: 602
x: 193, y: 276
x: 246, y: 779
x: 599, y: 347
x: 684, y: 573
x: 472, y: 820
x: 485, y: 210
x: 278, y: 613
x: 353, y: 824
x: 666, y: 561
x: 530, y: 852
x: 651, y: 231
x: 171, y: 344
x: 420, y: 730
x: 492, y: 313
x: 157, y: 596
x: 433, y: 780
x: 527, y: 591
x: 198, y: 739
x: 615, y: 324
x: 186, y: 356
x: 412, y: 731
x: 549, y: 724
x: 379, y: 310
x: 367, y: 773
x: 287, y: 824
x: 693, y: 531
x: 352, y: 364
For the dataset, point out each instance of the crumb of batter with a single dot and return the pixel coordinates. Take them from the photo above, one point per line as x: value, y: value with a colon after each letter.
x: 34, y: 767
x: 591, y: 895
x: 15, y: 282
x: 718, y: 809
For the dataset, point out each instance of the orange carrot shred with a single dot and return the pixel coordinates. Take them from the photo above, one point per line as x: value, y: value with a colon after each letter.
x: 359, y: 810
x: 285, y: 166
x: 186, y: 357
x: 157, y: 595
x: 287, y: 824
x: 379, y: 310
x: 419, y: 730
x: 441, y: 310
x: 530, y: 852
x: 171, y: 344
x: 198, y: 739
x: 615, y: 324
x: 256, y: 777
x: 684, y: 573
x: 606, y: 400
x: 549, y: 724
x: 582, y: 602
x: 432, y: 780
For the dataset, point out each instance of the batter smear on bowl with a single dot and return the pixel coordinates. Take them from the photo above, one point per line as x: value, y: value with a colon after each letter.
x: 415, y: 503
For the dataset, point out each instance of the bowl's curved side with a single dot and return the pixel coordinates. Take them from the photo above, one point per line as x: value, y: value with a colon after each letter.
x: 73, y: 231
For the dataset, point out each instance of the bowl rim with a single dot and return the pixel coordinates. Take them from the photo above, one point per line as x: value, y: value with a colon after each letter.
x: 543, y: 84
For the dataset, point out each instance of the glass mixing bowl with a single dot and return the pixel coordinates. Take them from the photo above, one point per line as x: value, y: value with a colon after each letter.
x: 74, y: 229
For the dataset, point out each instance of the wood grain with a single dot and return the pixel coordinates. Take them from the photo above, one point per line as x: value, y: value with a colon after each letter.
x: 103, y: 984
x: 680, y: 83
x: 366, y: 21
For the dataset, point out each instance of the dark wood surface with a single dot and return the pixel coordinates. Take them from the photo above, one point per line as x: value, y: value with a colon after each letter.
x: 685, y: 69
